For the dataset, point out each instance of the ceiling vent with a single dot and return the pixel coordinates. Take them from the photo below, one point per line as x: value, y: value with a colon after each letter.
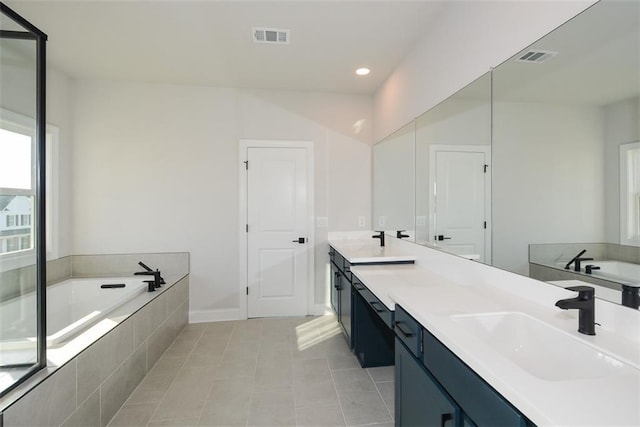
x: 271, y: 35
x: 537, y: 56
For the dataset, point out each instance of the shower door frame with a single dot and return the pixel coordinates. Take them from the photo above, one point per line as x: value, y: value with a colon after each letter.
x: 40, y: 38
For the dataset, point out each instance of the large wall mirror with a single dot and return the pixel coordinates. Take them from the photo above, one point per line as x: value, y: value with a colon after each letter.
x: 394, y: 183
x: 557, y: 128
x: 453, y: 178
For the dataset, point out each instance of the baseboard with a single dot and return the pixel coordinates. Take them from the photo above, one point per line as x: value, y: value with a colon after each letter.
x: 200, y: 316
x: 321, y: 310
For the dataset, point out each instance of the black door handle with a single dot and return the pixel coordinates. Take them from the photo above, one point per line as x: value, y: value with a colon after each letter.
x: 441, y: 237
x: 406, y: 332
x: 301, y: 240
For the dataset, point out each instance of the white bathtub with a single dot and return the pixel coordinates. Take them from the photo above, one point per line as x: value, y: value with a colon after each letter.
x: 72, y: 306
x: 617, y: 271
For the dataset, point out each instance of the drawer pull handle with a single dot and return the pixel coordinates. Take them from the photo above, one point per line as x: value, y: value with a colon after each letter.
x: 444, y: 418
x: 358, y: 287
x: 407, y: 333
x: 374, y: 304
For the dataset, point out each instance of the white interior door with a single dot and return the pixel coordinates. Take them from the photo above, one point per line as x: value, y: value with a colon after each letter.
x: 460, y: 200
x: 277, y: 236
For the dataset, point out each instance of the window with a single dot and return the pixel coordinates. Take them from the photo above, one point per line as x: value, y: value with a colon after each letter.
x: 17, y: 191
x: 630, y: 194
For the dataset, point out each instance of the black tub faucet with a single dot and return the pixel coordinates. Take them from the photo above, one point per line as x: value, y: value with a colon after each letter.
x: 380, y: 236
x: 147, y: 268
x: 399, y: 234
x: 151, y: 284
x: 589, y: 268
x: 566, y: 267
x: 585, y: 304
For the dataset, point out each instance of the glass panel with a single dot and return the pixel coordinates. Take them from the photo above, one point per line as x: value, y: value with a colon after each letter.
x: 19, y: 351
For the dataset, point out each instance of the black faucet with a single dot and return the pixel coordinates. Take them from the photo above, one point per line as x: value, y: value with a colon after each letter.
x: 585, y: 303
x: 578, y: 261
x: 151, y: 284
x: 380, y: 236
x: 566, y: 267
x: 399, y: 234
x: 147, y: 268
x: 589, y: 268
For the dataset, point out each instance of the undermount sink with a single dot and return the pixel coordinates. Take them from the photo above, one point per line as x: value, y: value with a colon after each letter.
x: 540, y: 349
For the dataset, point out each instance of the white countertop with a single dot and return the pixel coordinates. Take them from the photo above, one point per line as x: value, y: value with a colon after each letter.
x: 585, y: 400
x: 368, y: 250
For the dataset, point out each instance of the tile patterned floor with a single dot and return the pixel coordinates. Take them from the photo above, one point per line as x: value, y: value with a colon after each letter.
x: 261, y: 372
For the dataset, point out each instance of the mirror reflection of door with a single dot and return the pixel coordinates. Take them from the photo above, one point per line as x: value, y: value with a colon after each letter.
x: 459, y: 178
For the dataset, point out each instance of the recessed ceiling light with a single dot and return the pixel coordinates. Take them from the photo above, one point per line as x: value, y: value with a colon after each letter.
x: 362, y: 71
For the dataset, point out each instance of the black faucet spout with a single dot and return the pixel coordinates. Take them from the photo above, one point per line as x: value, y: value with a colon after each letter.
x: 380, y: 236
x: 585, y: 304
x: 400, y: 234
x: 151, y: 284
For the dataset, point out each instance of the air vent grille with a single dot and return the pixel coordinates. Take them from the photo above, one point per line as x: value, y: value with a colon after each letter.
x: 537, y: 56
x: 271, y: 35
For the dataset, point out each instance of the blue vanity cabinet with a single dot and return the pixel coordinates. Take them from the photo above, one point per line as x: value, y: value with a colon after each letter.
x: 477, y: 403
x: 372, y: 334
x: 419, y: 399
x: 341, y: 292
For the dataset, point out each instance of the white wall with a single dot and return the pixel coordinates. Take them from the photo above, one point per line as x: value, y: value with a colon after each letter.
x: 155, y: 168
x: 469, y: 38
x: 547, y: 178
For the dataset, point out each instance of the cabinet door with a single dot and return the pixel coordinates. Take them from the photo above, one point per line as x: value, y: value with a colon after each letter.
x: 419, y: 400
x: 345, y: 308
x: 335, y: 284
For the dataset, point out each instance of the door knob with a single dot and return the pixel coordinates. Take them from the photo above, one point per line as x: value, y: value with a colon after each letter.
x: 441, y: 237
x: 300, y: 240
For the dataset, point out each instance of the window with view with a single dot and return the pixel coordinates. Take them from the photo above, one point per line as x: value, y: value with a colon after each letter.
x: 16, y: 188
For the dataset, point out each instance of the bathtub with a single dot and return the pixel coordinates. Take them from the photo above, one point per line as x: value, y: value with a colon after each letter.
x: 72, y: 306
x: 617, y: 271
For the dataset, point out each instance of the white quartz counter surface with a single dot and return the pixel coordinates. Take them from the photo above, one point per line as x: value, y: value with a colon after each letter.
x: 549, y: 381
x: 368, y: 250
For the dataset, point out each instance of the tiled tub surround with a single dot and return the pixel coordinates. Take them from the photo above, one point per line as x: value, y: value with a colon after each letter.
x: 89, y: 377
x: 22, y: 280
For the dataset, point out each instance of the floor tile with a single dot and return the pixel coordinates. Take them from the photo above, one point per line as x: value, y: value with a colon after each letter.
x: 151, y: 389
x: 314, y: 393
x: 363, y: 408
x: 382, y: 374
x: 319, y: 416
x: 353, y: 380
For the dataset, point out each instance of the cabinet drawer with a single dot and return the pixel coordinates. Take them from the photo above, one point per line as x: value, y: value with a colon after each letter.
x: 376, y: 305
x: 408, y: 330
x: 480, y: 402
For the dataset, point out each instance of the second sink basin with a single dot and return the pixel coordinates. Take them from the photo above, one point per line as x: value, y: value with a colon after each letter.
x: 540, y: 349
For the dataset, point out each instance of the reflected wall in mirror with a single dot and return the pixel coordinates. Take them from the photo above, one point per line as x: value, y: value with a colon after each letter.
x: 453, y: 179
x: 563, y: 111
x: 394, y: 182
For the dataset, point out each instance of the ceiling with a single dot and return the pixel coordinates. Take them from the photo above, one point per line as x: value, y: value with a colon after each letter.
x: 210, y: 42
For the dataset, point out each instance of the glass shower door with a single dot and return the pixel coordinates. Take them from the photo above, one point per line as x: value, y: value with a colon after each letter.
x: 22, y: 249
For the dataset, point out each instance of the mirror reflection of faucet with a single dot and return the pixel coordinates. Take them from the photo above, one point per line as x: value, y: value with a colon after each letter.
x: 400, y: 235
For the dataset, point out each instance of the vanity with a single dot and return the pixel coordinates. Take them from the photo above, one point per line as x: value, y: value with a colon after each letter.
x: 366, y: 320
x: 475, y: 345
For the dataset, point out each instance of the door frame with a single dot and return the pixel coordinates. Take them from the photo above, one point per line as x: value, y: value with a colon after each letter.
x: 245, y: 144
x: 486, y: 149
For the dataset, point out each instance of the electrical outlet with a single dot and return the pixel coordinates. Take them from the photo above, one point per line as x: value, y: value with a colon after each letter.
x: 421, y: 221
x: 322, y: 222
x: 382, y: 220
x: 362, y: 222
